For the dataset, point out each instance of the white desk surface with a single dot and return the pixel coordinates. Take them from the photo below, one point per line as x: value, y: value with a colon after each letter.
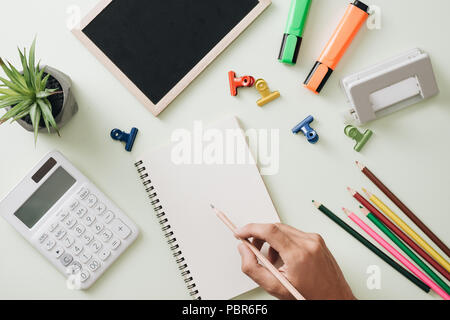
x: 409, y: 150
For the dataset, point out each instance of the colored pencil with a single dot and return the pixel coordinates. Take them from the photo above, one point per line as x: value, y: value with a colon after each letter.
x: 398, y: 232
x: 264, y: 261
x: 371, y: 247
x: 369, y: 174
x: 387, y: 211
x: 405, y: 249
x: 397, y: 255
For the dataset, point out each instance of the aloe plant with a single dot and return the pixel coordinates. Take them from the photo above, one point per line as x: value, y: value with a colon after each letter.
x: 26, y: 93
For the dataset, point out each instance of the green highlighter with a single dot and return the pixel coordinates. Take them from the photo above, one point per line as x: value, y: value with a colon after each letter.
x: 292, y: 38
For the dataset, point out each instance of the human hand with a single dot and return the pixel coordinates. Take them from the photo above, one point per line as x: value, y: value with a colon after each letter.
x: 307, y: 263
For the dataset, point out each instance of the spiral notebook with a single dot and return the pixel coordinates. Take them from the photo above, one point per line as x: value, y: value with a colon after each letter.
x: 181, y: 194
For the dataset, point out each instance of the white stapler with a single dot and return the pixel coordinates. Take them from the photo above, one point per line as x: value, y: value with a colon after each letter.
x: 388, y: 87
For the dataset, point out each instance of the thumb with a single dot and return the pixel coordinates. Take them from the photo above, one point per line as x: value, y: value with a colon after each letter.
x: 257, y: 272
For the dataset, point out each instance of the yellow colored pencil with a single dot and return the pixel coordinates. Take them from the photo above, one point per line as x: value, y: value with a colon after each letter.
x: 402, y: 224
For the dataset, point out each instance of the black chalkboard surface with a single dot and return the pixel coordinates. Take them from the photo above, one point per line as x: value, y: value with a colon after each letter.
x: 156, y: 43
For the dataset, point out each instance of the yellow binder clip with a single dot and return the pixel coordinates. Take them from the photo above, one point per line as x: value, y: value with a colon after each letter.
x: 267, y: 95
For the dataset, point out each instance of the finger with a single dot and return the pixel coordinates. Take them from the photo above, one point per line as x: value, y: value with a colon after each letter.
x: 258, y: 243
x: 292, y: 232
x: 313, y: 243
x: 273, y: 256
x: 283, y: 269
x: 258, y: 273
x: 270, y: 233
x: 304, y: 241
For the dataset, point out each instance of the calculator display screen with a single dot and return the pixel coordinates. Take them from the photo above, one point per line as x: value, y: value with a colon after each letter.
x: 45, y: 197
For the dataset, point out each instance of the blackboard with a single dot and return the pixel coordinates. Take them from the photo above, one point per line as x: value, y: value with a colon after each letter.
x: 157, y: 44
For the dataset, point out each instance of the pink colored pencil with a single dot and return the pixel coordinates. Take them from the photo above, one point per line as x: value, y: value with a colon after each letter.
x: 397, y: 255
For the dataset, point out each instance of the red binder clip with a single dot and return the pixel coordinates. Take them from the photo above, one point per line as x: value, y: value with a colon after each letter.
x: 246, y: 81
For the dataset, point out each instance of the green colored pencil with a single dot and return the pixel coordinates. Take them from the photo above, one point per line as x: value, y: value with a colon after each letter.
x: 405, y: 249
x: 371, y: 247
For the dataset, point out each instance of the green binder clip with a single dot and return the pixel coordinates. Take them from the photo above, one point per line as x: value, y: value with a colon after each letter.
x: 361, y: 139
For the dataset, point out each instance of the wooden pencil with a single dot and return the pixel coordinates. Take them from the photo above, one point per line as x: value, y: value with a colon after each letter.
x: 398, y: 232
x: 397, y: 255
x: 407, y: 229
x: 405, y: 249
x: 371, y: 247
x: 264, y: 261
x: 369, y: 174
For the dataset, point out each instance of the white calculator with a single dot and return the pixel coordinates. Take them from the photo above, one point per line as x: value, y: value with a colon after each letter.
x: 72, y: 223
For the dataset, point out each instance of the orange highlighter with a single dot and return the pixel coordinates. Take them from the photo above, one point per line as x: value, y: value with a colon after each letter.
x: 354, y: 18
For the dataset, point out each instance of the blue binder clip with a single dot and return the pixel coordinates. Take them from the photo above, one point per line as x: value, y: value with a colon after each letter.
x: 309, y: 132
x: 128, y: 138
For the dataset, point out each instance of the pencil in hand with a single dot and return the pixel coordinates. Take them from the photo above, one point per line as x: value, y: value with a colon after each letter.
x: 264, y: 261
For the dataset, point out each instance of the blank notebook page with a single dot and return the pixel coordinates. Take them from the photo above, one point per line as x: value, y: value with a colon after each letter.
x: 186, y: 191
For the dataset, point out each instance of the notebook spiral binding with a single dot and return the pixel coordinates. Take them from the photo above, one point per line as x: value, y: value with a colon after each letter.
x: 168, y: 233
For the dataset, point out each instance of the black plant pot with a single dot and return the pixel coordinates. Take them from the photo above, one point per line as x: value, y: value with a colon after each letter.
x: 64, y: 105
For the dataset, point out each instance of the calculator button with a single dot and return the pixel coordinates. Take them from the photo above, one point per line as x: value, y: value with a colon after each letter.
x: 89, y: 219
x: 109, y: 216
x: 53, y: 226
x: 63, y: 215
x: 87, y: 238
x: 43, y: 237
x: 66, y: 259
x: 106, y: 235
x: 85, y: 257
x: 83, y: 193
x: 73, y: 204
x: 77, y: 248
x: 99, y: 208
x: 60, y: 233
x: 98, y: 227
x: 68, y: 241
x: 75, y: 267
x: 91, y: 200
x: 58, y: 252
x: 79, y: 230
x: 104, y: 254
x: 81, y: 211
x: 96, y: 246
x: 94, y: 265
x: 50, y: 244
x: 115, y: 244
x: 120, y: 228
x: 70, y: 222
x: 84, y: 275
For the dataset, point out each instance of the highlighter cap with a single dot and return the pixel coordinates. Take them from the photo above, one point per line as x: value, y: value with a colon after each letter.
x: 361, y: 5
x: 317, y: 78
x: 290, y: 49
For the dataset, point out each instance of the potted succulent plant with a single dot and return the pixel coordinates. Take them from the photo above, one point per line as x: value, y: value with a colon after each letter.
x: 39, y: 98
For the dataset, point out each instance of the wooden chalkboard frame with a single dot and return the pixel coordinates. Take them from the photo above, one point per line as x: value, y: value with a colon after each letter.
x: 156, y: 109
